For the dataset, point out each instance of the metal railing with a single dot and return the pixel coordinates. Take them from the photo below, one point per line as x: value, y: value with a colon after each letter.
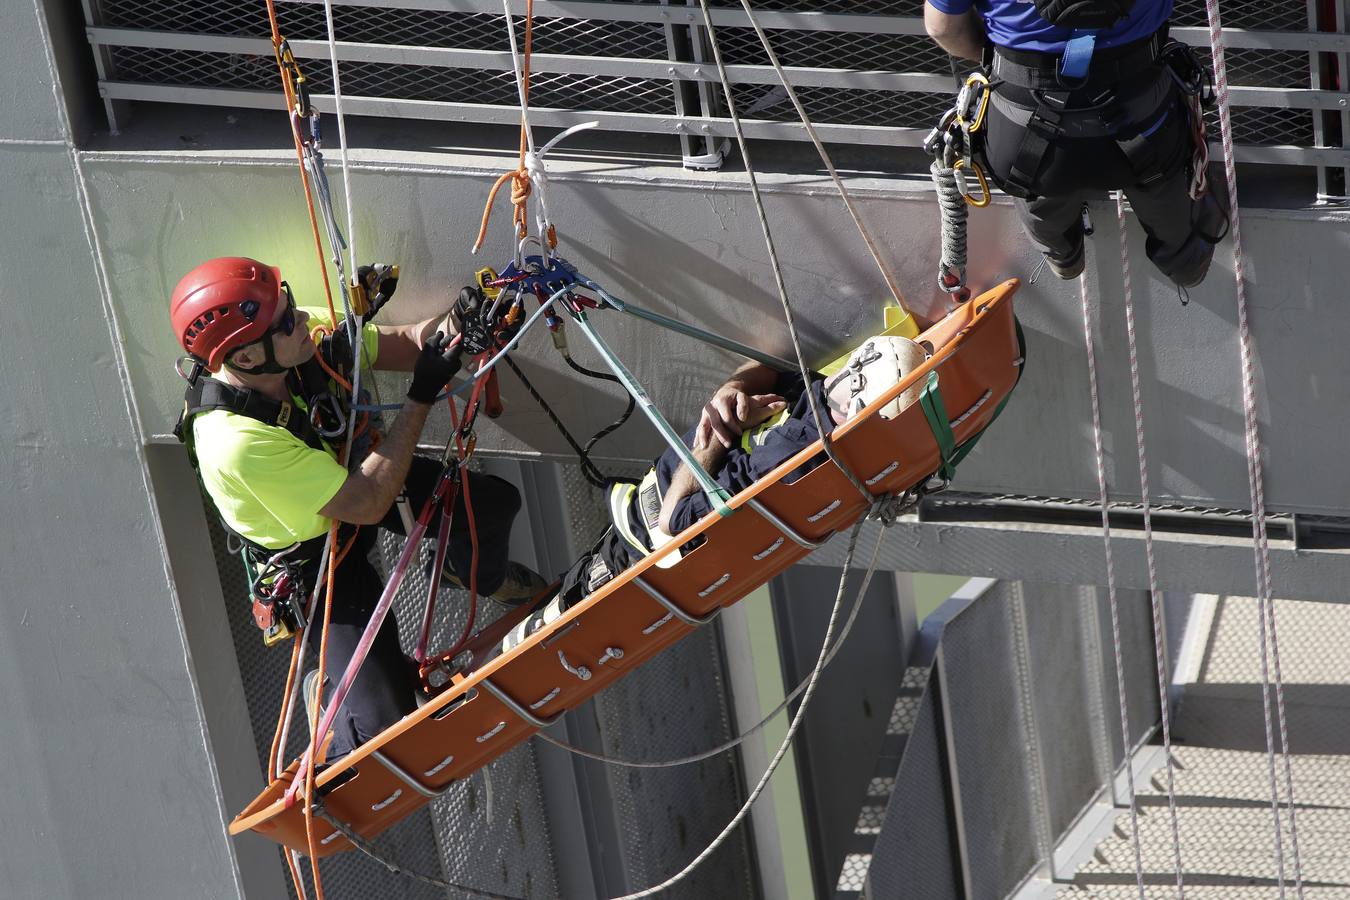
x: 868, y: 76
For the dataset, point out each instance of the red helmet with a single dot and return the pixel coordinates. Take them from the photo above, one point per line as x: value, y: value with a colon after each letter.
x: 222, y: 304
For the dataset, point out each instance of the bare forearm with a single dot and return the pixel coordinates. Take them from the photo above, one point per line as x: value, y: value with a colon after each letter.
x: 683, y: 483
x: 960, y: 35
x: 400, y: 344
x: 367, y: 494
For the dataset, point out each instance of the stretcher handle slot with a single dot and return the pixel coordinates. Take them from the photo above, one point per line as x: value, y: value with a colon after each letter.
x: 516, y: 708
x: 674, y: 608
x: 786, y: 529
x: 407, y: 777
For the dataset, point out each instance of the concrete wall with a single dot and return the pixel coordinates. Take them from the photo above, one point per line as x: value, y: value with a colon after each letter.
x: 110, y: 788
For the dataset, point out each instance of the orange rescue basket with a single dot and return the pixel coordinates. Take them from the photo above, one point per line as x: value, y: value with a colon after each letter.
x: 478, y: 717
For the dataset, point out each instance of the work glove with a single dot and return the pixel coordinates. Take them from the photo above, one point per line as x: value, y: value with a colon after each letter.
x: 380, y: 282
x: 470, y: 312
x: 435, y: 366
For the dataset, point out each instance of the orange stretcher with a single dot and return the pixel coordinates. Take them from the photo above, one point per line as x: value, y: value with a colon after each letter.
x: 479, y: 716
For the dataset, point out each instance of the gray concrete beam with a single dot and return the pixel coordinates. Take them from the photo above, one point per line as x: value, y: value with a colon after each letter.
x: 1076, y: 555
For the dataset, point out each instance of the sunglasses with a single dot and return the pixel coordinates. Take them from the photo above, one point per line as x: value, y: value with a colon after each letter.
x: 287, y: 324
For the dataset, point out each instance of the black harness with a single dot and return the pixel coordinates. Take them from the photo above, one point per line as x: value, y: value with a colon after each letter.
x: 207, y: 394
x: 1036, y: 82
x: 279, y: 589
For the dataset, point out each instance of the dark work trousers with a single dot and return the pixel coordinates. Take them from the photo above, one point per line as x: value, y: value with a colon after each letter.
x: 1084, y: 162
x: 383, y: 691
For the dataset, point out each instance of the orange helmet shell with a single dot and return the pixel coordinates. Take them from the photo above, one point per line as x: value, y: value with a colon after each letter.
x: 222, y: 304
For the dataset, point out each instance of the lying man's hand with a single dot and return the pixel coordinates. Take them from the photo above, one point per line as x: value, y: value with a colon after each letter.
x: 731, y: 411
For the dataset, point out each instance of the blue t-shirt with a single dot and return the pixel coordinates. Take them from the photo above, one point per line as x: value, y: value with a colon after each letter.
x: 1015, y: 24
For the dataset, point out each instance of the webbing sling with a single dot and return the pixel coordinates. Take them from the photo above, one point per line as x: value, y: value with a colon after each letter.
x: 935, y: 411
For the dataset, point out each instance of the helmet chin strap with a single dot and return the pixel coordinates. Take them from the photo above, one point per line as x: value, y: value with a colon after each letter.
x: 269, y: 365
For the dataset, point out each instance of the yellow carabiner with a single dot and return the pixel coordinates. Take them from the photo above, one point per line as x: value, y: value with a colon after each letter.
x: 977, y: 84
x: 984, y: 198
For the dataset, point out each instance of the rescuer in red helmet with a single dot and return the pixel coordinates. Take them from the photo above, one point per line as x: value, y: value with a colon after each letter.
x: 254, y: 429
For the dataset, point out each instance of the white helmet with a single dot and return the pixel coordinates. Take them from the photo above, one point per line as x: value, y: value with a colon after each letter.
x: 877, y: 366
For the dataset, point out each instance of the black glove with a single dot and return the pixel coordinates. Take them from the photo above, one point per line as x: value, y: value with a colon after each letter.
x: 470, y: 312
x: 434, y: 368
x: 380, y: 282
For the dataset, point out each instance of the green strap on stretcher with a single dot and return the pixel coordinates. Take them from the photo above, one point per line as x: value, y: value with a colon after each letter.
x: 935, y: 411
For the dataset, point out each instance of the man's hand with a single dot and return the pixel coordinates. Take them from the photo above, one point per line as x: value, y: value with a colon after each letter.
x: 732, y: 410
x: 434, y: 368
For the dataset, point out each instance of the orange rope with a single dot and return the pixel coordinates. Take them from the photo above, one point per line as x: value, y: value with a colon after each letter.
x: 289, y: 89
x: 520, y: 176
x: 281, y: 717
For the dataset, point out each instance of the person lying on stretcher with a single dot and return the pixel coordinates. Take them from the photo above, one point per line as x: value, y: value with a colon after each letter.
x: 754, y: 422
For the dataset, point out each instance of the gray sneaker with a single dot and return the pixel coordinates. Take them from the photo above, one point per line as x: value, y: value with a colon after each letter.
x: 520, y: 584
x: 1070, y: 268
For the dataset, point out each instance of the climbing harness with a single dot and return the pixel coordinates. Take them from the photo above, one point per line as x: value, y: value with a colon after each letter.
x: 1048, y: 87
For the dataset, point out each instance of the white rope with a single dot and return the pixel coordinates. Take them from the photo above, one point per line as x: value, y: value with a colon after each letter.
x: 1155, y: 596
x: 342, y: 140
x: 886, y: 272
x: 357, y: 347
x: 740, y: 738
x: 791, y: 732
x: 1247, y: 352
x: 534, y: 162
x: 774, y: 264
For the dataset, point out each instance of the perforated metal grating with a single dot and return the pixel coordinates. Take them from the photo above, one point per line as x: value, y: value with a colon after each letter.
x: 384, y: 25
x: 606, y: 43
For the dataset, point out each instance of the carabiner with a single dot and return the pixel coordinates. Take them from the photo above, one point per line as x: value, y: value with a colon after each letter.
x: 291, y: 71
x: 972, y: 103
x: 984, y: 198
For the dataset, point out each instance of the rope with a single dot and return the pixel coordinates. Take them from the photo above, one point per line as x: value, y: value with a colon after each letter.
x: 792, y: 726
x: 777, y: 268
x: 342, y: 137
x: 1154, y: 594
x: 530, y: 167
x: 1261, y: 546
x: 289, y: 90
x: 955, y: 212
x: 741, y: 738
x: 602, y: 376
x: 820, y: 148
x: 589, y: 470
x: 1155, y: 598
x: 370, y: 850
